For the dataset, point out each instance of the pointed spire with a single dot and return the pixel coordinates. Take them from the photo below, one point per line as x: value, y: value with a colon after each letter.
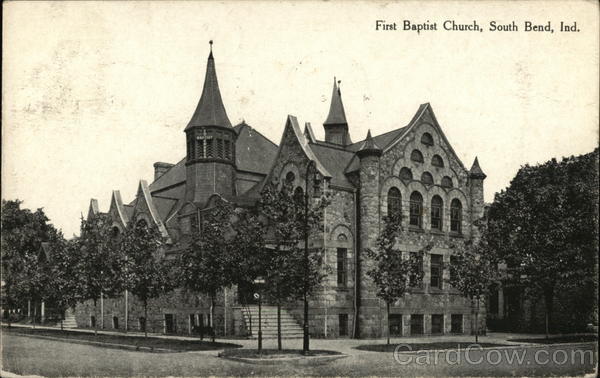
x: 476, y: 171
x: 210, y: 110
x: 369, y: 147
x: 337, y: 115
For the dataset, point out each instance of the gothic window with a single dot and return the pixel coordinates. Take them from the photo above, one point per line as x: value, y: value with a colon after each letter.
x: 209, y: 148
x: 417, y: 156
x: 427, y: 139
x: 437, y: 212
x: 436, y: 271
x: 115, y: 232
x: 455, y: 216
x: 427, y: 178
x: 406, y: 174
x: 220, y: 148
x: 394, y: 202
x: 447, y: 182
x: 342, y: 269
x: 416, y: 209
x: 437, y: 161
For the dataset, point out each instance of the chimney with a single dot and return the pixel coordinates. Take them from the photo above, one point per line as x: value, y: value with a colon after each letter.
x: 160, y: 168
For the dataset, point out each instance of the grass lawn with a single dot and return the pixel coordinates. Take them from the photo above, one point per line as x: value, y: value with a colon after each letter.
x: 135, y: 341
x: 407, y: 347
x: 560, y: 339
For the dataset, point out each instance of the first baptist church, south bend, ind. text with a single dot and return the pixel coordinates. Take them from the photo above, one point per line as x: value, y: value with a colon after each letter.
x: 411, y: 169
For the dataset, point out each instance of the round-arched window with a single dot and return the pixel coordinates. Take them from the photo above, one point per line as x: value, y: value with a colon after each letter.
x: 406, y: 174
x: 447, y: 182
x: 416, y: 209
x: 427, y: 139
x: 298, y: 195
x: 456, y: 216
x: 417, y: 156
x: 290, y: 177
x: 437, y: 161
x: 427, y: 178
x: 394, y: 202
x: 437, y: 212
x: 115, y: 232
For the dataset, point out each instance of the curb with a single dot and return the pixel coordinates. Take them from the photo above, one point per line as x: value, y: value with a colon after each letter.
x: 103, y: 345
x: 301, y: 360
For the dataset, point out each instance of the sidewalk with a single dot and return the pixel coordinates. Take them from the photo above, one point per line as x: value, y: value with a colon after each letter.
x: 344, y: 345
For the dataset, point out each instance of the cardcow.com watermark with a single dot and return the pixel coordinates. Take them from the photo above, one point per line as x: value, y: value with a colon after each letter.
x: 519, y: 355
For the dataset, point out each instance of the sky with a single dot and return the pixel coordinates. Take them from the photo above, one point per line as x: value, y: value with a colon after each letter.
x: 93, y: 93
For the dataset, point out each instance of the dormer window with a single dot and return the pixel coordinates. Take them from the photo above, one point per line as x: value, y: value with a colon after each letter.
x: 417, y: 156
x: 427, y: 139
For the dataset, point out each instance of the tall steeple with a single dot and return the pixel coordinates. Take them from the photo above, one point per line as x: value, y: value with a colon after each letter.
x: 210, y: 110
x: 336, y: 126
x: 211, y: 144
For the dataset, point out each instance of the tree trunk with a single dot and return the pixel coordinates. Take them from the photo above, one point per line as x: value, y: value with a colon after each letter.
x: 145, y: 318
x: 387, y: 307
x: 548, y: 299
x: 477, y: 322
x: 279, y: 326
x: 212, y: 317
x: 34, y: 314
x: 95, y: 318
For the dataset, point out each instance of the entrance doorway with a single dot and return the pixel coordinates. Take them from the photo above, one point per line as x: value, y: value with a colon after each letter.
x: 169, y: 323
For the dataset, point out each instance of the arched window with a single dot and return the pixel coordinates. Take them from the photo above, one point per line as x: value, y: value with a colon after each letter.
x: 115, y: 232
x: 447, y: 182
x: 437, y: 213
x: 416, y: 209
x: 406, y: 174
x: 456, y: 216
x: 427, y: 178
x: 437, y: 161
x: 417, y: 156
x: 290, y: 177
x: 427, y: 139
x: 299, y: 195
x: 394, y: 202
x: 141, y: 223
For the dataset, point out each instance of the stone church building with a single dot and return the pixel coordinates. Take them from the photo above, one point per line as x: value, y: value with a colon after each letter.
x: 412, y: 170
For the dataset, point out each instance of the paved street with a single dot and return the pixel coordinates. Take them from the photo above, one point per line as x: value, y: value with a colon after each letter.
x: 30, y: 356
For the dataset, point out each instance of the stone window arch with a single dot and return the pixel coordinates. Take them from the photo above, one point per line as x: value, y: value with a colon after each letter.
x: 427, y: 139
x: 141, y: 223
x: 406, y: 174
x: 437, y: 161
x: 427, y: 178
x: 394, y: 202
x: 437, y: 212
x: 456, y: 216
x: 417, y: 156
x: 416, y: 209
x: 447, y: 182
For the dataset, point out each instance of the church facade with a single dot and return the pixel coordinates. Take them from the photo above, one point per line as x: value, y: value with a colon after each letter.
x: 412, y: 170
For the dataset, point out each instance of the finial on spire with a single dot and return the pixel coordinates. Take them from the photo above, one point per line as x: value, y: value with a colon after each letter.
x: 210, y: 43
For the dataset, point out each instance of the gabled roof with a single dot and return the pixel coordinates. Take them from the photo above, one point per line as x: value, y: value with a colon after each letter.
x: 335, y: 161
x: 382, y: 140
x: 175, y: 175
x: 308, y: 133
x: 143, y: 194
x: 93, y: 208
x: 253, y: 151
x: 337, y: 115
x: 210, y: 110
x: 117, y: 203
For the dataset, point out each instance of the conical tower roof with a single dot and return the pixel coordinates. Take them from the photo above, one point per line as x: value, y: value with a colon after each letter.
x: 210, y: 110
x: 337, y: 115
x: 476, y: 171
x: 369, y: 147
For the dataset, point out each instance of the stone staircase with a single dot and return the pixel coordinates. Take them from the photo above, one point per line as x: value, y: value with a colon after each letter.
x: 290, y: 329
x: 69, y: 321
